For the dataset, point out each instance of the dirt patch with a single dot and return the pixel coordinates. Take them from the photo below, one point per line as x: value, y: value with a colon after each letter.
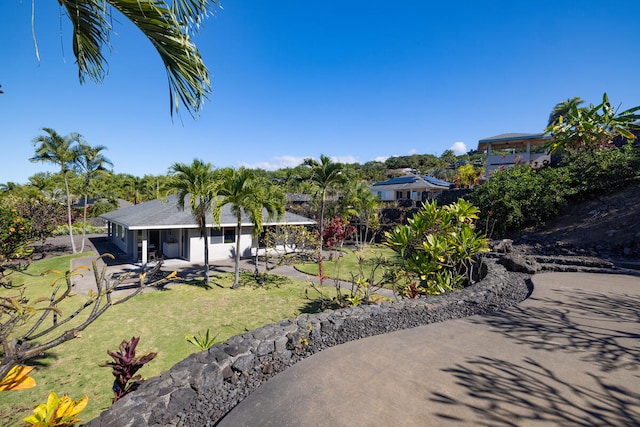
x: 605, y: 226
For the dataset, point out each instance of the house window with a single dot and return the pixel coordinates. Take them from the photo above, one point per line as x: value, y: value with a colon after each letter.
x: 223, y: 235
x: 408, y: 194
x: 379, y: 195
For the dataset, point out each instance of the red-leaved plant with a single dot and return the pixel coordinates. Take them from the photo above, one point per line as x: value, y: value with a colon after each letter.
x: 125, y: 365
x: 337, y: 231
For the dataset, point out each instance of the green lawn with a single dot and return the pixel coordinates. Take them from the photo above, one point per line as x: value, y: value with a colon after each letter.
x: 347, y: 261
x: 161, y: 318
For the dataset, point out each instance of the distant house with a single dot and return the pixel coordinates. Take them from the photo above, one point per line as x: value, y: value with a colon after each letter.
x: 159, y: 228
x: 509, y: 149
x: 409, y: 190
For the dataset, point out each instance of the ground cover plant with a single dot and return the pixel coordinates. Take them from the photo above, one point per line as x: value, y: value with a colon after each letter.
x: 161, y: 318
x: 343, y: 262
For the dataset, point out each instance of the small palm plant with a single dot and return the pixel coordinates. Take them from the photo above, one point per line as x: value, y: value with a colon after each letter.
x: 202, y: 341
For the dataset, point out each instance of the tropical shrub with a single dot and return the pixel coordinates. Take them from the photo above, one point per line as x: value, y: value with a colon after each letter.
x: 102, y: 206
x: 592, y: 128
x: 439, y: 245
x: 520, y: 197
x: 57, y: 412
x: 601, y: 170
x: 124, y: 366
x: 14, y: 234
x: 18, y: 379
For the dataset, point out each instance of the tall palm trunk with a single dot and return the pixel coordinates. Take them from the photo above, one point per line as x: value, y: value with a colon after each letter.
x: 69, y: 220
x: 84, y: 217
x: 204, y: 232
x: 236, y: 280
x: 206, y: 258
x: 322, y: 202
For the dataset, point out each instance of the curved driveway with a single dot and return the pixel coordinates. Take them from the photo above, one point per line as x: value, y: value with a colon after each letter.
x: 567, y: 356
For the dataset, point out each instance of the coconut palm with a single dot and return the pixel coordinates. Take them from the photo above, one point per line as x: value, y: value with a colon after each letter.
x: 251, y: 195
x: 562, y: 109
x: 195, y: 185
x: 168, y: 24
x: 325, y: 174
x: 89, y: 163
x: 360, y: 202
x: 59, y: 150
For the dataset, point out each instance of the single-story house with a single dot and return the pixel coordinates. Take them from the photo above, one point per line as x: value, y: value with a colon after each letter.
x: 509, y: 149
x: 409, y: 189
x: 159, y: 228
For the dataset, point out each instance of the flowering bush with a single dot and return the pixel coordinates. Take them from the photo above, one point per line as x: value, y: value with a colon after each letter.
x: 14, y: 233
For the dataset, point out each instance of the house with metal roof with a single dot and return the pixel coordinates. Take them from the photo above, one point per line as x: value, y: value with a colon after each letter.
x: 158, y: 228
x: 410, y: 190
x: 510, y: 149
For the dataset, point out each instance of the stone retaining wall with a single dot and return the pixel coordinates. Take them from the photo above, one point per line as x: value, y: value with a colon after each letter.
x: 202, y: 388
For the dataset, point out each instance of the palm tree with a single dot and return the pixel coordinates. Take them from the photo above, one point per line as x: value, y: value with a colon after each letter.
x: 168, y: 24
x: 195, y: 185
x: 360, y: 202
x: 90, y: 163
x: 562, y: 109
x: 53, y: 148
x: 325, y: 174
x: 250, y: 195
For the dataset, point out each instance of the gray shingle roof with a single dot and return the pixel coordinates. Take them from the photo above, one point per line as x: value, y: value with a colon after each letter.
x: 163, y: 214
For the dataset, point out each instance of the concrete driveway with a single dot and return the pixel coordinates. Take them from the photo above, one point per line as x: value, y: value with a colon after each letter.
x: 567, y: 356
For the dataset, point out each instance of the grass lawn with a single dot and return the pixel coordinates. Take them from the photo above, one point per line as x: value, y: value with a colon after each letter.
x: 349, y: 263
x: 161, y: 318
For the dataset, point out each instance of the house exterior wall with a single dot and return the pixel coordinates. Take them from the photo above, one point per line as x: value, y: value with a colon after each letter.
x: 388, y: 195
x: 219, y: 251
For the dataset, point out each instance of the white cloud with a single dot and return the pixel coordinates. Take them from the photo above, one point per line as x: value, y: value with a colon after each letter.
x: 413, y: 151
x: 381, y: 159
x: 277, y: 162
x: 459, y: 148
x: 345, y: 159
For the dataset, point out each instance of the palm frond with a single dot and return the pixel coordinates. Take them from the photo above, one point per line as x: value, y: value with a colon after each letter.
x: 188, y: 77
x: 90, y: 36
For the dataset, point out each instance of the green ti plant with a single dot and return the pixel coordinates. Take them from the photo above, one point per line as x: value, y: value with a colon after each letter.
x: 125, y: 364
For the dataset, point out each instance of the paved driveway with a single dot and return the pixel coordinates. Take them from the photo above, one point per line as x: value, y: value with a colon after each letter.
x: 567, y: 356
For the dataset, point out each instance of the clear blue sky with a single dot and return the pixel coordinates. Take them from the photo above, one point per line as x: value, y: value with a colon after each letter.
x: 355, y: 80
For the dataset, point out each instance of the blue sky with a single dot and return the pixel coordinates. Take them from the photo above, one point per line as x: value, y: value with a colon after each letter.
x: 355, y: 80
